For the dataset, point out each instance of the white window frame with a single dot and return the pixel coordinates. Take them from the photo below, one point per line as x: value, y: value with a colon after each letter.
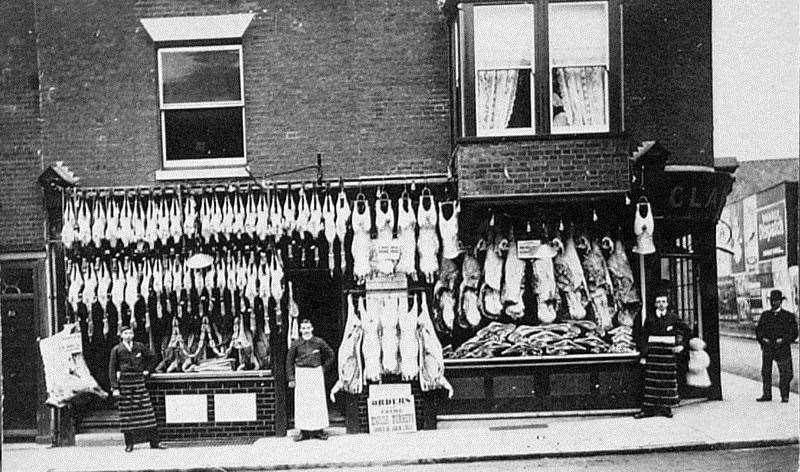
x: 508, y: 131
x: 581, y: 129
x: 218, y: 162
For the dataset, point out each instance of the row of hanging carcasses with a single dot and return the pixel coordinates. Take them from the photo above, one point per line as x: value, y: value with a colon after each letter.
x: 569, y: 280
x: 384, y: 335
x: 161, y: 219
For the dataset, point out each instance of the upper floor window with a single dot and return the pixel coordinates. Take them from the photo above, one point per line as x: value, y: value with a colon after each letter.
x: 538, y: 68
x: 202, y: 105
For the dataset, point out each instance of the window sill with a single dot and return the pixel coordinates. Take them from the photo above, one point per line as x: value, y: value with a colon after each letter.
x: 202, y: 173
x: 538, y: 137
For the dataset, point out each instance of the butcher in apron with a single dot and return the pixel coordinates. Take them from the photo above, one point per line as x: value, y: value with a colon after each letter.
x: 129, y: 363
x: 663, y: 337
x: 306, y: 363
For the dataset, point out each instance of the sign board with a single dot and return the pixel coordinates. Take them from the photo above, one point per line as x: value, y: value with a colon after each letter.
x: 527, y: 248
x: 772, y: 231
x: 686, y: 194
x: 235, y: 407
x: 186, y: 408
x: 71, y: 344
x: 390, y: 409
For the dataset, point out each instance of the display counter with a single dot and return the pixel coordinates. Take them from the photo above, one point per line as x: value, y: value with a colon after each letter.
x: 215, y: 405
x: 577, y: 382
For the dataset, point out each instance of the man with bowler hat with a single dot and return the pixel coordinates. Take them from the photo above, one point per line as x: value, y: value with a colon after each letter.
x: 776, y: 330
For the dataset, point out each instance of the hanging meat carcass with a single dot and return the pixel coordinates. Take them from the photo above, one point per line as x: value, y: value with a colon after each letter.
x: 571, y: 285
x: 371, y: 347
x: 125, y: 232
x: 329, y: 221
x: 189, y: 216
x: 511, y: 294
x: 293, y: 333
x: 428, y: 239
x: 68, y: 228
x: 489, y: 296
x: 343, y: 214
x: 384, y: 223
x: 444, y: 297
x: 264, y: 291
x: 89, y: 296
x: 118, y: 294
x: 103, y: 286
x: 469, y: 315
x: 361, y: 245
x: 251, y: 216
x: 84, y: 222
x: 625, y: 295
x: 596, y: 273
x: 406, y: 236
x: 276, y: 287
x: 351, y: 369
x: 544, y: 284
x: 409, y: 345
x: 448, y: 228
x: 137, y: 221
x: 99, y: 222
x: 431, y: 360
x: 389, y: 319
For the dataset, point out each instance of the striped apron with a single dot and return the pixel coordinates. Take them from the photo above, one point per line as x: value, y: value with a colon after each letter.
x: 310, y: 405
x: 135, y: 408
x: 660, y: 374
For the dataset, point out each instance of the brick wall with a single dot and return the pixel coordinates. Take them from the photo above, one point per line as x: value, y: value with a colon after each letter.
x: 20, y: 199
x: 264, y: 388
x: 364, y: 83
x: 668, y: 94
x: 542, y: 166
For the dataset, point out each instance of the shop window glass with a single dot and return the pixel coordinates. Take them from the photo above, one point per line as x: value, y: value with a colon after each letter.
x: 202, y: 105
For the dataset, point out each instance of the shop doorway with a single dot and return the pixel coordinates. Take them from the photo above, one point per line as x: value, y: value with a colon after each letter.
x: 20, y: 318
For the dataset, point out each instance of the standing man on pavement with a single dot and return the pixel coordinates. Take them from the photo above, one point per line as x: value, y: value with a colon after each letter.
x: 306, y: 363
x: 775, y: 332
x: 130, y: 362
x: 663, y: 337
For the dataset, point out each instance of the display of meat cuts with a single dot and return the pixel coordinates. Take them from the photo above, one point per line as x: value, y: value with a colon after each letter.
x: 351, y: 368
x: 597, y: 279
x: 431, y: 358
x: 569, y: 280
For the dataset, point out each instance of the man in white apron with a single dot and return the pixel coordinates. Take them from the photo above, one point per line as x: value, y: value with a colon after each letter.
x: 306, y: 363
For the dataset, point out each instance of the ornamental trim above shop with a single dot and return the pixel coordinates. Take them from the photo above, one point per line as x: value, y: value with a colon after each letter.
x: 197, y: 28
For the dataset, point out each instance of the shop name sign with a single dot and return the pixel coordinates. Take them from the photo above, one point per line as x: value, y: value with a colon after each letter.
x: 772, y: 231
x: 390, y: 409
x: 696, y: 195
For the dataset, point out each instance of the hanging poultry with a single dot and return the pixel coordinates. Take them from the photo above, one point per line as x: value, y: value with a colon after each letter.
x: 125, y: 233
x: 431, y: 360
x: 215, y: 220
x: 151, y: 225
x: 428, y: 239
x: 118, y: 293
x: 293, y: 333
x: 276, y: 287
x: 163, y: 220
x: 99, y: 222
x: 103, y: 286
x: 175, y: 223
x: 112, y: 220
x: 289, y: 212
x: 276, y: 220
x: 68, y: 228
x: 250, y: 292
x: 237, y: 226
x: 89, y: 296
x: 189, y: 216
x: 74, y: 289
x: 226, y: 217
x: 262, y: 228
x: 132, y: 293
x: 84, y: 222
x: 137, y: 221
x: 251, y: 216
x: 264, y: 291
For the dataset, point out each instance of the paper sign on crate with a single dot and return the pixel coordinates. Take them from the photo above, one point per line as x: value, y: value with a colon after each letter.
x: 390, y: 408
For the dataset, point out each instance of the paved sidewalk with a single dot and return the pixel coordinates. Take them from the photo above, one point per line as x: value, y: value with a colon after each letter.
x: 738, y: 421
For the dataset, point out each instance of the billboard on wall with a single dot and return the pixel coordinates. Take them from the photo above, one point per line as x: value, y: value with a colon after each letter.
x: 750, y: 234
x: 772, y: 231
x: 737, y: 230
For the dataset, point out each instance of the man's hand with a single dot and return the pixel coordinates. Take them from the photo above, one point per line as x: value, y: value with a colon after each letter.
x: 642, y: 361
x: 291, y: 384
x: 677, y: 349
x: 115, y: 392
x: 146, y: 373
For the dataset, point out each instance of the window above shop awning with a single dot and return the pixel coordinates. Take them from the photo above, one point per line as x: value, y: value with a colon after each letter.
x: 197, y: 28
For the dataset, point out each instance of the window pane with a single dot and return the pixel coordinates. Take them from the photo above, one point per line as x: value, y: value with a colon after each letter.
x: 502, y: 100
x: 503, y: 36
x: 200, y: 76
x: 204, y: 133
x: 578, y: 34
x: 579, y: 97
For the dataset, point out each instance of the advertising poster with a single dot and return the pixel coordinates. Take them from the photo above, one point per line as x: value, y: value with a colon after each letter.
x: 771, y: 231
x: 750, y: 234
x: 737, y: 264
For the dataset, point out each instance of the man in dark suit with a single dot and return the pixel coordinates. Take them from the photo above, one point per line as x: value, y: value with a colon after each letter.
x: 776, y: 330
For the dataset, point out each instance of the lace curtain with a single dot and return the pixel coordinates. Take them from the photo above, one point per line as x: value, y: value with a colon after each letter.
x: 582, y: 93
x: 496, y: 91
